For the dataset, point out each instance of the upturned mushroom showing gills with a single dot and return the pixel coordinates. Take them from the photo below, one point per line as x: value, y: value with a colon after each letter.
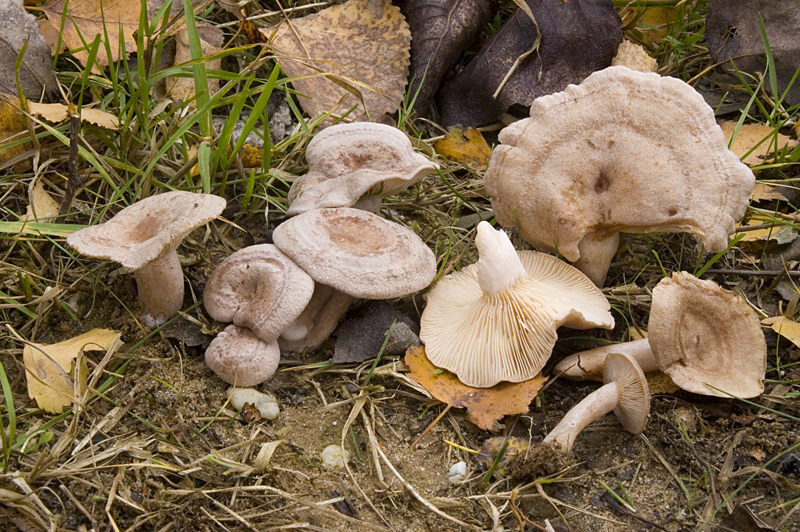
x: 496, y: 320
x: 357, y: 164
x: 144, y: 237
x: 625, y: 392
x: 701, y: 335
x: 624, y: 151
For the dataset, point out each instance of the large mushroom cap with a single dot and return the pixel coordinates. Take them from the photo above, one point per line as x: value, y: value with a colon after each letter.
x: 702, y: 334
x: 259, y: 288
x: 147, y: 229
x: 633, y: 406
x: 357, y: 252
x: 348, y: 161
x: 623, y: 151
x: 496, y: 320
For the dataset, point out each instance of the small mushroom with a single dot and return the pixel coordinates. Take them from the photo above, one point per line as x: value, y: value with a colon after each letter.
x: 240, y: 358
x: 700, y: 334
x: 624, y: 151
x: 356, y: 254
x: 258, y: 288
x: 496, y: 320
x: 625, y: 392
x: 357, y: 164
x: 144, y: 237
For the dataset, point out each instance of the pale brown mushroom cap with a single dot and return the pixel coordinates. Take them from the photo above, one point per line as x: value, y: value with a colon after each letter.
x: 633, y: 406
x: 701, y: 333
x: 239, y: 357
x: 259, y: 288
x: 348, y: 161
x: 623, y: 151
x: 357, y: 252
x: 506, y: 331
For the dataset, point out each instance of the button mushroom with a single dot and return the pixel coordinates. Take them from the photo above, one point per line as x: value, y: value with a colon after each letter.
x: 144, y: 237
x: 624, y: 151
x: 358, y: 160
x: 700, y: 334
x: 240, y: 358
x: 496, y: 320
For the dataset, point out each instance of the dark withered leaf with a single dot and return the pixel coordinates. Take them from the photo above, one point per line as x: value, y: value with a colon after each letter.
x: 578, y: 38
x: 441, y: 31
x: 361, y: 333
x: 741, y: 520
x: 733, y: 32
x: 20, y: 29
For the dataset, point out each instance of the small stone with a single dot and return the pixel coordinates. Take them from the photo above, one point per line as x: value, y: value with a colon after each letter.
x: 458, y: 472
x: 333, y: 457
x: 265, y: 403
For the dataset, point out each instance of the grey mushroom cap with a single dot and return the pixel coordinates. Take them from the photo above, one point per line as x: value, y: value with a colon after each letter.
x: 259, y: 288
x: 357, y: 252
x: 239, y: 357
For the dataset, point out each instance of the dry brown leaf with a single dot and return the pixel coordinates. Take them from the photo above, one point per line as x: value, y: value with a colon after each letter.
x: 635, y: 57
x: 781, y: 234
x: 465, y: 146
x: 210, y: 41
x: 42, y: 205
x: 51, y: 376
x: 12, y: 126
x: 785, y: 327
x: 21, y: 30
x: 362, y: 44
x: 58, y: 112
x: 764, y: 192
x: 50, y: 35
x: 751, y: 134
x: 484, y: 405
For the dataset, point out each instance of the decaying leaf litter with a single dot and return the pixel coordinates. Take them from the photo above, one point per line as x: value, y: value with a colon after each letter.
x: 153, y: 444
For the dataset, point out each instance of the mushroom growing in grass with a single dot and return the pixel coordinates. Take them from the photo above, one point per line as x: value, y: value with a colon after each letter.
x: 701, y: 335
x: 625, y: 392
x: 357, y: 165
x: 240, y: 358
x: 624, y: 151
x: 355, y: 253
x: 144, y: 237
x: 496, y: 320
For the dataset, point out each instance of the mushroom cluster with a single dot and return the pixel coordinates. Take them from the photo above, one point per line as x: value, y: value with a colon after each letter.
x: 291, y: 294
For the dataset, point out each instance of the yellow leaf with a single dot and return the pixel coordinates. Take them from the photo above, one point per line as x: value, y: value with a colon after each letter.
x: 58, y: 112
x: 782, y: 234
x: 764, y: 192
x: 50, y: 369
x: 468, y: 147
x: 785, y: 327
x: 42, y: 205
x: 635, y: 57
x: 751, y: 134
x: 12, y: 126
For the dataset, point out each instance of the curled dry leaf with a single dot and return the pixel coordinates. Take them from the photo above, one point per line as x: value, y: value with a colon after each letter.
x: 362, y: 45
x: 484, y: 405
x: 577, y: 38
x: 51, y: 371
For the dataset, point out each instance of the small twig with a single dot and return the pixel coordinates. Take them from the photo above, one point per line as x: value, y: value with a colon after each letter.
x: 753, y: 273
x: 617, y: 507
x: 73, y: 182
x: 430, y: 426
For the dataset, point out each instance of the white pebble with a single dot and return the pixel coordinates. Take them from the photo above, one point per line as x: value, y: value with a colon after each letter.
x: 458, y: 472
x: 333, y: 456
x: 265, y: 403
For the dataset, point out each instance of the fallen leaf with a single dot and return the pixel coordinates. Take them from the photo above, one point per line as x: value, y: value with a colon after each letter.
x: 42, y: 206
x: 577, y: 38
x: 36, y: 72
x: 51, y: 368
x: 12, y: 127
x: 635, y: 57
x: 733, y: 32
x: 750, y: 135
x: 741, y: 519
x: 264, y: 456
x: 465, y: 146
x: 785, y: 327
x: 651, y: 25
x: 362, y: 45
x: 441, y: 31
x: 780, y: 234
x: 764, y: 192
x: 211, y: 39
x: 484, y: 405
x: 491, y: 448
x: 58, y: 112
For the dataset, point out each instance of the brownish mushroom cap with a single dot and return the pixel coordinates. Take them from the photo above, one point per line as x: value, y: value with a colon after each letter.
x: 258, y: 288
x: 144, y: 237
x: 348, y: 161
x: 623, y: 151
x: 357, y: 252
x: 625, y: 392
x: 496, y: 320
x: 239, y: 357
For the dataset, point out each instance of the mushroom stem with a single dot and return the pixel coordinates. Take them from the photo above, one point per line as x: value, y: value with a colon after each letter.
x: 593, y: 407
x: 596, y: 254
x: 160, y: 284
x: 317, y: 321
x: 499, y: 266
x: 586, y: 363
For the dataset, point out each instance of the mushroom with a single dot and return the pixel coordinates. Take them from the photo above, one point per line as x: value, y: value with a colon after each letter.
x: 496, y: 320
x: 240, y: 358
x: 624, y: 151
x: 144, y: 237
x: 700, y: 334
x: 625, y: 392
x: 258, y: 288
x: 356, y: 254
x: 358, y: 160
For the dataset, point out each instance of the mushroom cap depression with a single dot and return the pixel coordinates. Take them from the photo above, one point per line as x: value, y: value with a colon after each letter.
x: 701, y: 333
x: 496, y: 320
x: 623, y: 151
x: 147, y: 229
x: 259, y: 288
x: 348, y: 161
x: 357, y: 252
